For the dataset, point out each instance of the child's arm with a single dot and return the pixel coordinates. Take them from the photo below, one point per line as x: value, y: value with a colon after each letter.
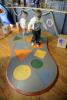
x: 29, y: 26
x: 31, y: 23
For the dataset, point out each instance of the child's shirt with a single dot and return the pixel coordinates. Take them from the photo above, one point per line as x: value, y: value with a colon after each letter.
x: 35, y: 24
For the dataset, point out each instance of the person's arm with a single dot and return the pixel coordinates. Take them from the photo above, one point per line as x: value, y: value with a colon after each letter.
x: 30, y: 25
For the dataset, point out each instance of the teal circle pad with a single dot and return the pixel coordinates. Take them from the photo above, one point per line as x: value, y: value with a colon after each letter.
x: 36, y: 63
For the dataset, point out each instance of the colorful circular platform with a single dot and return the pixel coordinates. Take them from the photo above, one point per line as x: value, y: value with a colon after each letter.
x: 31, y: 71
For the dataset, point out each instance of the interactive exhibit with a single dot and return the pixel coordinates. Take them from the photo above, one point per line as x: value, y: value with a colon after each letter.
x: 5, y: 19
x: 31, y: 70
x: 5, y: 15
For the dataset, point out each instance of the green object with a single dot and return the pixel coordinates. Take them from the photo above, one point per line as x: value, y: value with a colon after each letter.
x: 36, y: 63
x: 17, y: 38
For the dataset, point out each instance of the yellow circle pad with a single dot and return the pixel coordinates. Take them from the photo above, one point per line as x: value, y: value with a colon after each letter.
x: 22, y: 72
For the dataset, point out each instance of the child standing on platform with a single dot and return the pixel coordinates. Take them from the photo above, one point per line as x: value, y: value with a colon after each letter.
x: 23, y: 22
x: 35, y: 25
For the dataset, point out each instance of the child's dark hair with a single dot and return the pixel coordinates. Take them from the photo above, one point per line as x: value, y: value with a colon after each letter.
x: 25, y: 12
x: 40, y: 13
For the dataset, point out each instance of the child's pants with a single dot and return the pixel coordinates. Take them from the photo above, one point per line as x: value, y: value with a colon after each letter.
x: 36, y: 36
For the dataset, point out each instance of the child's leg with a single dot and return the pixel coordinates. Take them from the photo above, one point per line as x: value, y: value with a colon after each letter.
x: 38, y: 36
x: 23, y: 31
x: 34, y: 36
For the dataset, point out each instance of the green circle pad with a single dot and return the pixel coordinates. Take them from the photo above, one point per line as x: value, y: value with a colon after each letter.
x: 36, y: 63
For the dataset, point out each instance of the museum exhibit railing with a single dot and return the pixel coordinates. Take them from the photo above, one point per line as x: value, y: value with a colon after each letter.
x: 58, y: 5
x: 47, y: 4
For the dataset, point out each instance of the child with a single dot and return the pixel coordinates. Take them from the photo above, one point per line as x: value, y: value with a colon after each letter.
x: 35, y: 25
x: 23, y: 22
